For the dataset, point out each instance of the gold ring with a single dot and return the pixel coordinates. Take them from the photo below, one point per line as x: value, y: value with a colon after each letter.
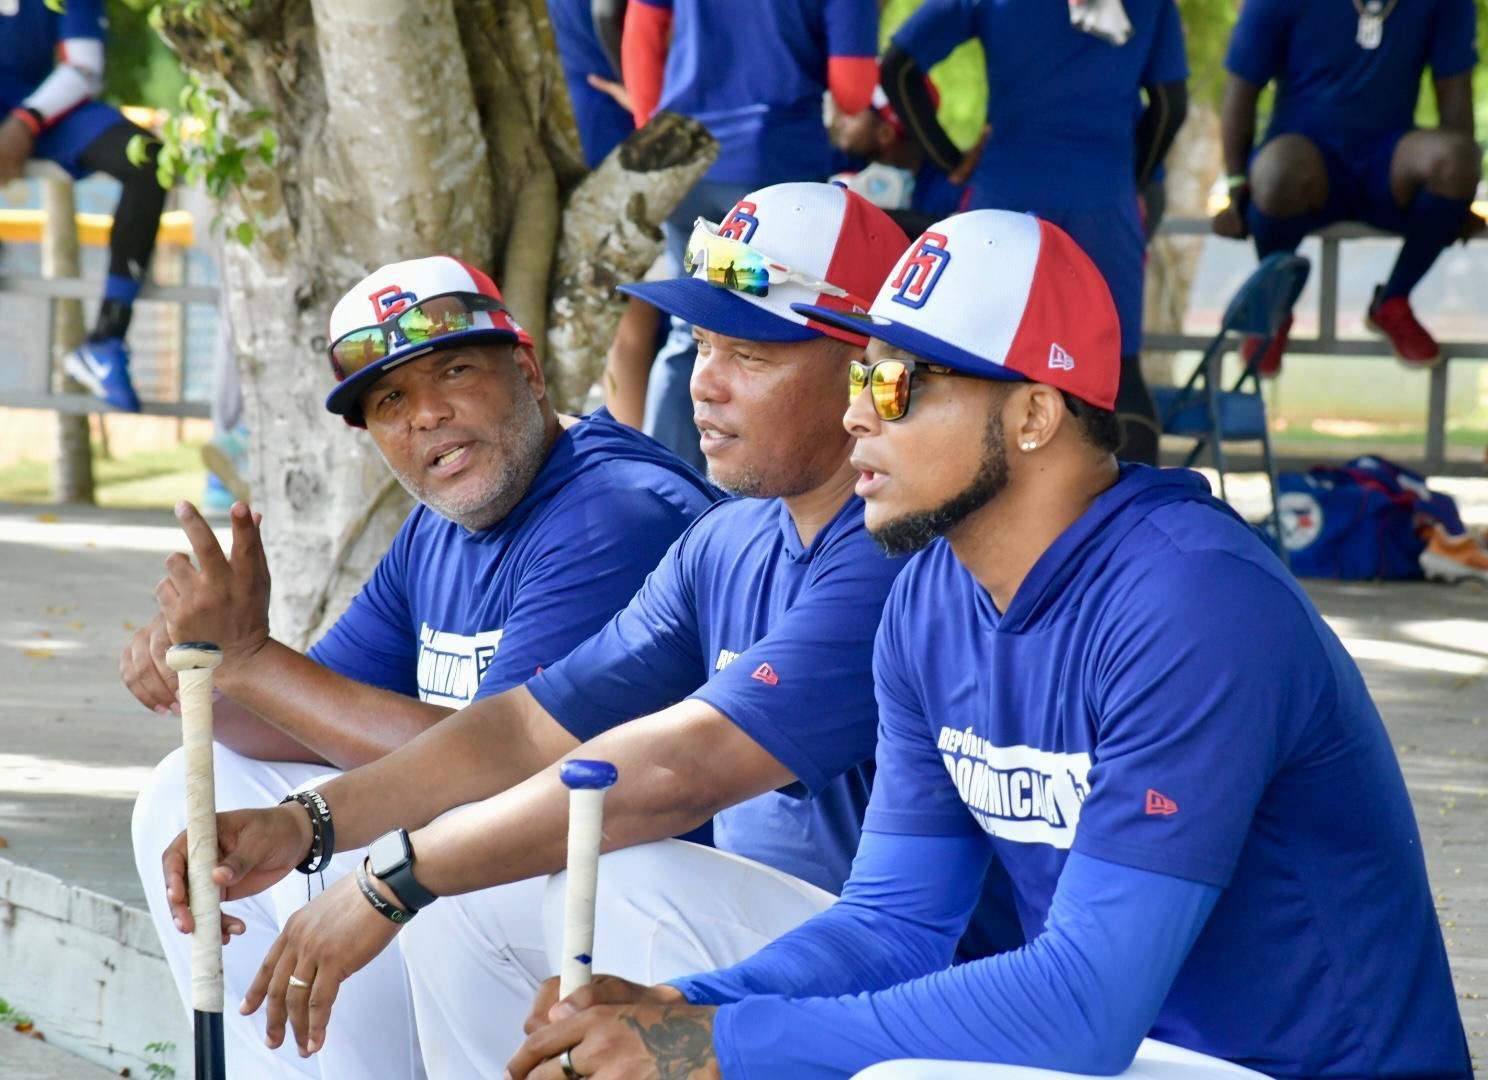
x: 298, y: 983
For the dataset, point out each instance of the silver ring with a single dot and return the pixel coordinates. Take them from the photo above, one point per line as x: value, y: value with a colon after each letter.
x: 298, y: 983
x: 565, y: 1062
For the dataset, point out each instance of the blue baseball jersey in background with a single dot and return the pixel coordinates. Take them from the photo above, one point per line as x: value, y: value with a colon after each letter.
x: 1063, y: 140
x: 28, y: 42
x: 1059, y: 100
x: 1162, y: 695
x: 1326, y: 83
x: 602, y: 123
x: 451, y: 615
x: 28, y: 52
x: 754, y: 76
x: 779, y: 638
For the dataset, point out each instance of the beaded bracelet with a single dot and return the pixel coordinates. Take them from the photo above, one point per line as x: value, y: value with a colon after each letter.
x: 322, y: 831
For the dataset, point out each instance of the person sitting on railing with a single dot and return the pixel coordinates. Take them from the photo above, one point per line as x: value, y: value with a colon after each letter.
x: 1343, y: 145
x: 51, y: 70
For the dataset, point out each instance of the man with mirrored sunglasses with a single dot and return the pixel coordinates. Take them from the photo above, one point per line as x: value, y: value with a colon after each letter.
x: 1097, y: 675
x: 533, y: 529
x: 735, y: 687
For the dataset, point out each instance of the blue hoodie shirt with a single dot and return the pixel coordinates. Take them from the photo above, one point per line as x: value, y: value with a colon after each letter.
x: 1160, y: 705
x: 451, y: 615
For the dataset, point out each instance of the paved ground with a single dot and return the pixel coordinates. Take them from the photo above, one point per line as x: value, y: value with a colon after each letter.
x: 74, y: 748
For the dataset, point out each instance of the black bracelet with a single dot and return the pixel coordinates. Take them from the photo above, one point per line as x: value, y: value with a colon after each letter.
x: 385, y: 909
x: 322, y: 831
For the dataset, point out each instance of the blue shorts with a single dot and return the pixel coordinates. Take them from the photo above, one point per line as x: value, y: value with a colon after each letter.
x: 65, y: 141
x: 1358, y: 169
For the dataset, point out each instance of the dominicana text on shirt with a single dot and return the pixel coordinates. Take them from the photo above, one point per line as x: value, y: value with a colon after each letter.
x: 1018, y: 793
x: 451, y: 666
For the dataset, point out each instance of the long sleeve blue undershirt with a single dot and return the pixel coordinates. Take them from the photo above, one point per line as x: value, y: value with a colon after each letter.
x: 870, y: 978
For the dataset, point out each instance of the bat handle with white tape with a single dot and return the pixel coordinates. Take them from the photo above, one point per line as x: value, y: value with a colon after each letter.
x: 193, y: 663
x: 587, y: 782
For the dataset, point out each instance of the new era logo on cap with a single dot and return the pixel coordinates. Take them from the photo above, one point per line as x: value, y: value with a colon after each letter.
x: 1001, y: 295
x: 1159, y: 804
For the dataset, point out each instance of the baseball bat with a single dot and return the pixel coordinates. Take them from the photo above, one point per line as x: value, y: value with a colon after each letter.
x: 193, y: 662
x: 587, y: 782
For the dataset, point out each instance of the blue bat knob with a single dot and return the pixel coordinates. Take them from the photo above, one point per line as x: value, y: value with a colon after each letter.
x: 588, y: 774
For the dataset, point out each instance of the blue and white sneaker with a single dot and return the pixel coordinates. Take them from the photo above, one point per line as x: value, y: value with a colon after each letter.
x: 103, y: 368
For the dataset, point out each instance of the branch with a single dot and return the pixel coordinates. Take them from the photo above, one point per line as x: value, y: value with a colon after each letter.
x: 611, y: 234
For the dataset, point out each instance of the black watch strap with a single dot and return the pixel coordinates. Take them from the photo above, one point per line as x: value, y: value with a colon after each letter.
x: 399, y: 877
x: 385, y: 909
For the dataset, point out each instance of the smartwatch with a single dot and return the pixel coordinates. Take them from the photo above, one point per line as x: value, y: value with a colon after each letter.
x: 390, y: 858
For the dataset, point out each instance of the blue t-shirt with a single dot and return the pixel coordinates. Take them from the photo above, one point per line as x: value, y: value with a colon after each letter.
x: 29, y: 34
x: 451, y: 615
x: 754, y: 77
x: 1058, y: 99
x: 602, y: 123
x: 1162, y: 695
x: 776, y: 636
x: 1326, y: 83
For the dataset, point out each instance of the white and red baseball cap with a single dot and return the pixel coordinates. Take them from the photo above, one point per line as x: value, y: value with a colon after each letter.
x: 1001, y: 295
x: 392, y: 290
x: 820, y: 232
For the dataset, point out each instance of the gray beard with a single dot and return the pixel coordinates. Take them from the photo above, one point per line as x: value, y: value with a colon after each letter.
x: 908, y: 534
x: 521, y: 445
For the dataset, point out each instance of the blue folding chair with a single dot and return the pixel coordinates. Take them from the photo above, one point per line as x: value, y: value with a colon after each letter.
x: 1202, y: 409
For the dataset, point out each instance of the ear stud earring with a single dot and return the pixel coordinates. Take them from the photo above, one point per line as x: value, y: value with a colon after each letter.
x: 1028, y: 446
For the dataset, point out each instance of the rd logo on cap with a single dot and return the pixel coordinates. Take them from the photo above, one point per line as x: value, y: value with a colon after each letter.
x: 391, y: 300
x: 921, y: 270
x: 740, y: 223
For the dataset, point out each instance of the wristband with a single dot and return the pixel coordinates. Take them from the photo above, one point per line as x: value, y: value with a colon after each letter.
x: 322, y: 831
x: 385, y: 909
x: 31, y: 118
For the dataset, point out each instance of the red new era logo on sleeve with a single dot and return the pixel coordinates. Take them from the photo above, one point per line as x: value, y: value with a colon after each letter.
x: 1158, y: 803
x: 765, y: 674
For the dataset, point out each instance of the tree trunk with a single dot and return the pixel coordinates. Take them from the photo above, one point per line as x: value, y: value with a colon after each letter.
x: 405, y: 128
x: 72, y: 465
x: 1193, y: 164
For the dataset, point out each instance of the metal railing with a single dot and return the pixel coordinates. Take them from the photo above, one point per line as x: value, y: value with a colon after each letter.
x: 85, y: 289
x: 1327, y: 342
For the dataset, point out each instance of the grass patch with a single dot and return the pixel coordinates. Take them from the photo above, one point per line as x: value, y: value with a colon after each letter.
x: 152, y: 478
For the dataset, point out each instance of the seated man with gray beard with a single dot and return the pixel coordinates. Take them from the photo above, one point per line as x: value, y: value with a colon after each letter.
x: 533, y: 530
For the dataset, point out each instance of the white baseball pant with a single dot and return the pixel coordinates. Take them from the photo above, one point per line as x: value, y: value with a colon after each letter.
x: 371, y: 1032
x: 1155, y: 1061
x: 664, y: 910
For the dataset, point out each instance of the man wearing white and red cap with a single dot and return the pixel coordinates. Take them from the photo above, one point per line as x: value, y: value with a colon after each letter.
x: 533, y: 529
x: 736, y: 686
x: 1100, y: 676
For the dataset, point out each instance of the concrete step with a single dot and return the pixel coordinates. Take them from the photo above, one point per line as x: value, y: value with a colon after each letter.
x: 25, y: 1058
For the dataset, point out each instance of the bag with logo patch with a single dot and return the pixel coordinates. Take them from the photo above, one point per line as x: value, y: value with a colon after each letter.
x: 1361, y: 521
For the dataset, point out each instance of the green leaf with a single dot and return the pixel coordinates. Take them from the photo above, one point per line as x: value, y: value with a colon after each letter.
x: 135, y: 150
x: 244, y: 233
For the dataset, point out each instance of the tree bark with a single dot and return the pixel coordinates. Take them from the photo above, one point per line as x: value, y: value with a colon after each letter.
x: 405, y: 128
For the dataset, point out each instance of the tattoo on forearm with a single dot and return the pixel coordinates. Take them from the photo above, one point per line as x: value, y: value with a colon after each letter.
x: 679, y: 1045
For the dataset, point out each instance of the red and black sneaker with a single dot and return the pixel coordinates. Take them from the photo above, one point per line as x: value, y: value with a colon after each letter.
x: 1411, y: 343
x: 1270, y: 365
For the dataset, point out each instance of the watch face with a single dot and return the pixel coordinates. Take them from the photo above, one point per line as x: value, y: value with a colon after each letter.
x: 388, y: 852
